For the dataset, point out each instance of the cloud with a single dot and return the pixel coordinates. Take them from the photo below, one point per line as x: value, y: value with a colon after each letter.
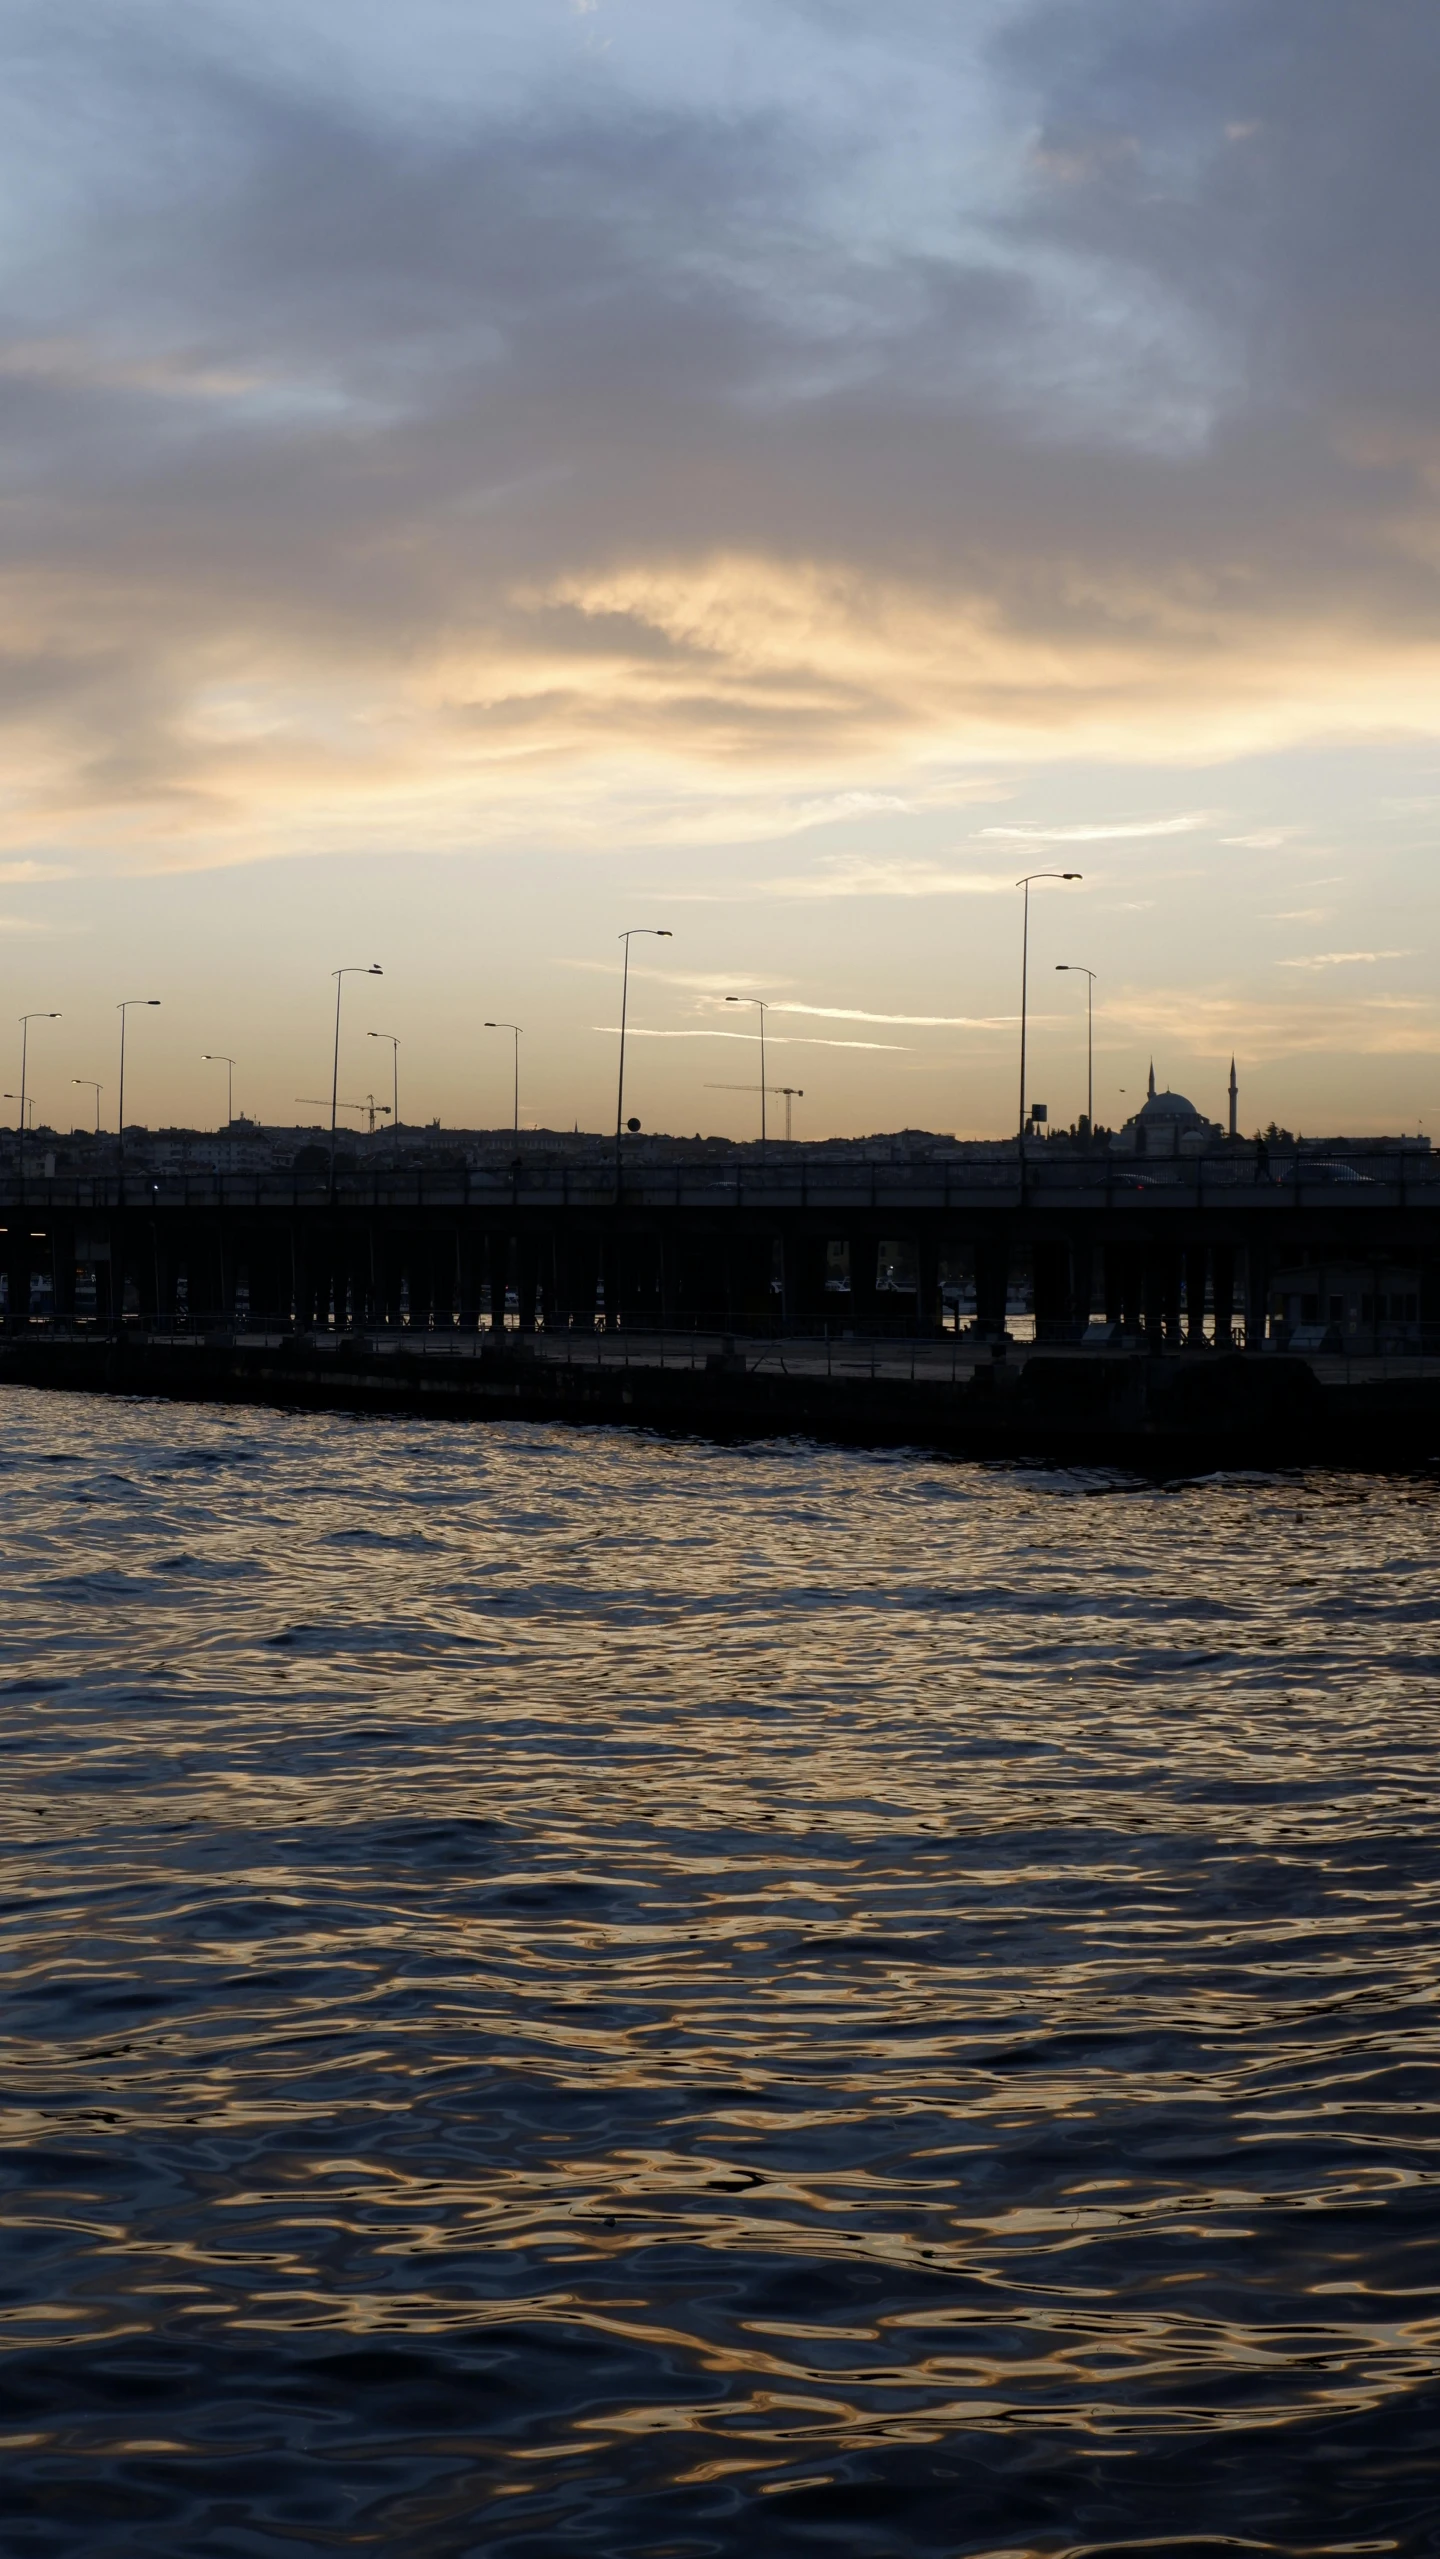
x: 776, y: 1039
x: 1341, y: 959
x: 914, y: 1021
x: 422, y: 442
x: 889, y: 879
x: 1140, y: 827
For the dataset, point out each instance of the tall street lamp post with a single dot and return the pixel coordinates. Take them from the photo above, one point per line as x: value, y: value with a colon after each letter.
x: 217, y: 1057
x: 25, y: 1021
x: 515, y: 1027
x: 150, y: 1003
x: 657, y: 933
x: 88, y: 1084
x: 761, y: 1004
x: 340, y: 975
x: 394, y: 1072
x: 1025, y: 974
x: 1073, y: 968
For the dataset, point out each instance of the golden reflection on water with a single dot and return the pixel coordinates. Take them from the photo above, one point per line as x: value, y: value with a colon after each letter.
x: 583, y: 1980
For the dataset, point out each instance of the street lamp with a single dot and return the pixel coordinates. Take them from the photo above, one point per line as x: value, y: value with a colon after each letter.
x: 217, y: 1057
x: 515, y: 1027
x: 1025, y: 973
x: 657, y: 933
x: 1074, y: 969
x: 762, y: 1003
x: 25, y: 1021
x: 20, y: 1098
x: 359, y: 969
x: 394, y: 1071
x: 88, y: 1084
x: 146, y: 1002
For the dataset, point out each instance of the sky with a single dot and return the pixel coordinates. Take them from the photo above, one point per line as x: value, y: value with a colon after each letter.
x: 475, y: 478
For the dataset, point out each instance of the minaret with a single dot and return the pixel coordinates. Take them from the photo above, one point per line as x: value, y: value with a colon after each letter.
x: 1152, y: 1079
x: 1234, y: 1101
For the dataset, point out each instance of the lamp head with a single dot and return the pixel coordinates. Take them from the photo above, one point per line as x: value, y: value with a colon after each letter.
x: 1072, y: 875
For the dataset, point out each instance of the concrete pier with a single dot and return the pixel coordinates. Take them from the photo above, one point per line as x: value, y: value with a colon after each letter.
x: 1170, y: 1411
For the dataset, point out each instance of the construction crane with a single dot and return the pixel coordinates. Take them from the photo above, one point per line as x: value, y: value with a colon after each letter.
x: 377, y: 1110
x: 792, y: 1093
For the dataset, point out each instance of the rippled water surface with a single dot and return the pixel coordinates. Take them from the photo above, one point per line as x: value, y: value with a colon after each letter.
x: 569, y: 1994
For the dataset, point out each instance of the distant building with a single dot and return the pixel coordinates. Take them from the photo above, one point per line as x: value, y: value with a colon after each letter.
x: 1167, y: 1124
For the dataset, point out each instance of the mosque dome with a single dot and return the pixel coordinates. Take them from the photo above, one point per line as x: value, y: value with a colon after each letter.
x: 1169, y: 1106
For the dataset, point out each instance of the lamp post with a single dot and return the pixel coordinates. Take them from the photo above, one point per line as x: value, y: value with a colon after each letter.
x: 1075, y: 969
x: 88, y: 1084
x: 147, y: 1003
x: 394, y: 1073
x: 25, y: 1021
x: 1025, y: 974
x: 217, y: 1057
x: 657, y: 933
x: 761, y: 1002
x: 515, y: 1027
x: 359, y: 969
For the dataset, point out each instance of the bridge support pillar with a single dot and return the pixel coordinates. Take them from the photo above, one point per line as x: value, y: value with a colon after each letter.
x: 1124, y: 1286
x: 1194, y: 1295
x: 467, y: 1280
x: 204, y: 1294
x: 497, y: 1261
x: 804, y: 1265
x: 144, y: 1268
x: 864, y: 1251
x: 929, y: 1316
x: 302, y: 1281
x: 17, y: 1266
x: 992, y: 1283
x: 62, y: 1269
x: 1162, y: 1297
x: 751, y: 1261
x: 527, y: 1258
x: 1257, y: 1294
x: 577, y: 1267
x: 1054, y: 1291
x: 442, y: 1280
x: 1222, y: 1283
x: 418, y: 1282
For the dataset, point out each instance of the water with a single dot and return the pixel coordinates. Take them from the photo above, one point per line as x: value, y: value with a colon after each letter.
x: 568, y: 1994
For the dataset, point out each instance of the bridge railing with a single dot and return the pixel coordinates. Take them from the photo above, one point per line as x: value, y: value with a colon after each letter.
x: 780, y: 1188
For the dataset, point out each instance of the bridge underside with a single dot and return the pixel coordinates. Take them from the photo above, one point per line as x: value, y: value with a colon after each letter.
x: 1162, y: 1271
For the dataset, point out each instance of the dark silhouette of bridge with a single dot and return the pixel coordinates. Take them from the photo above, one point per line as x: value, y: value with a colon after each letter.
x: 790, y: 1241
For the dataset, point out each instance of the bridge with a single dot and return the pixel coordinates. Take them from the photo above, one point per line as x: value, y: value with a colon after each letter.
x: 1215, y: 1247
